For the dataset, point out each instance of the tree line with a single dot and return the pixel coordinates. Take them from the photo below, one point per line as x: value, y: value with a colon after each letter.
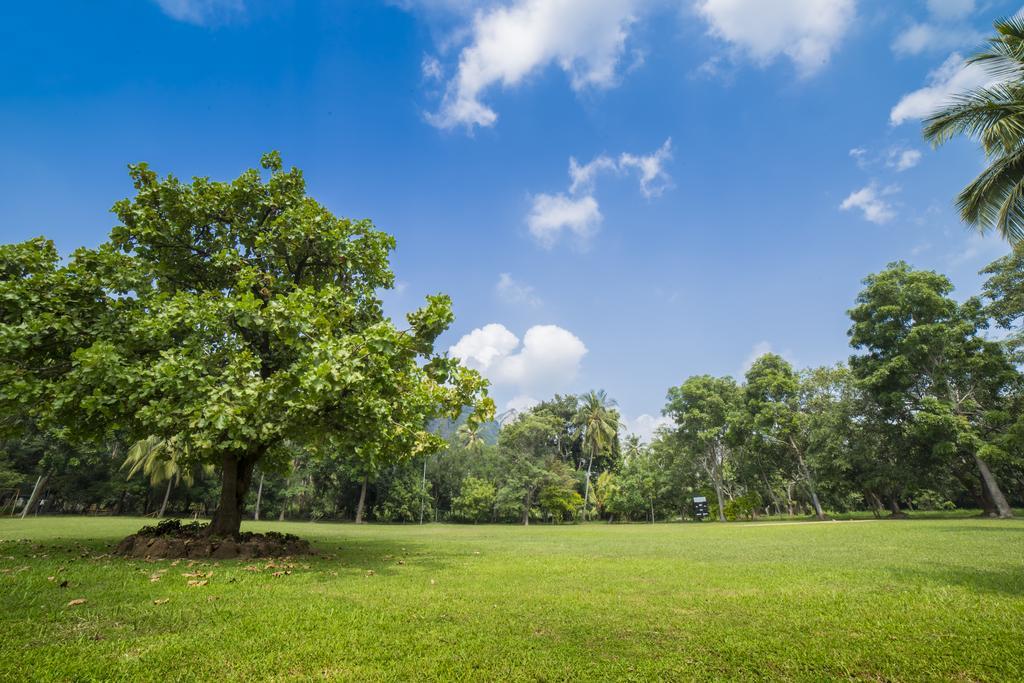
x: 926, y: 414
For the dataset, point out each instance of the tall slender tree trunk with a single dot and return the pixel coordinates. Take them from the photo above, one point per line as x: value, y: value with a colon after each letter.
x: 878, y: 504
x: 586, y: 489
x: 806, y: 472
x: 991, y: 487
x: 259, y: 497
x: 362, y: 500
x: 718, y: 496
x: 13, y: 501
x: 236, y: 475
x: 423, y: 489
x: 167, y: 496
x: 37, y: 492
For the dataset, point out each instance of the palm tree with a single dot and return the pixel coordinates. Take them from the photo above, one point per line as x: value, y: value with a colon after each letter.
x: 162, y: 460
x: 470, y: 436
x: 599, y: 421
x: 993, y: 115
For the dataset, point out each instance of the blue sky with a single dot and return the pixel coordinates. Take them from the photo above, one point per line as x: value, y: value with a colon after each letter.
x: 616, y: 193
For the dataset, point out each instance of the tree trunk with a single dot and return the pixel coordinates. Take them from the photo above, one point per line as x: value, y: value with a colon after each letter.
x: 878, y: 504
x: 259, y: 498
x: 718, y: 496
x: 586, y: 488
x: 37, y: 492
x: 167, y: 496
x: 236, y: 475
x: 806, y: 472
x: 526, y: 508
x: 894, y: 506
x: 991, y: 487
x: 362, y: 500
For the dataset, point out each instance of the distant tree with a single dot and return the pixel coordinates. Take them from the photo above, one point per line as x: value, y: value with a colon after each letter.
x: 475, y: 502
x: 705, y: 411
x: 163, y: 460
x: 772, y: 397
x: 470, y: 435
x: 994, y: 115
x: 599, y: 423
x: 529, y: 444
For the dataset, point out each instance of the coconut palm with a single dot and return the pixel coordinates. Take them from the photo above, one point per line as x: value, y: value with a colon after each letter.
x: 162, y: 460
x: 599, y: 422
x: 993, y: 115
x: 470, y: 436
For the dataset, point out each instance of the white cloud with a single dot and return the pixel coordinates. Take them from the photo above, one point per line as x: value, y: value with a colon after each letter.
x: 513, y: 292
x: 928, y: 37
x: 552, y: 215
x: 584, y: 177
x: 903, y: 159
x: 645, y: 426
x: 483, y: 346
x: 651, y: 168
x: 203, y: 12
x: 548, y: 359
x: 805, y: 31
x: 578, y: 212
x: 869, y: 201
x: 431, y: 69
x: 950, y: 10
x: 951, y: 78
x: 585, y: 38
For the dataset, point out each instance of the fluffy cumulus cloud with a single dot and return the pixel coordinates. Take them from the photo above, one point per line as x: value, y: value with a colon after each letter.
x: 805, y: 31
x: 871, y: 202
x: 577, y: 212
x: 509, y: 43
x: 203, y: 12
x: 954, y: 76
x: 547, y: 359
x: 551, y: 215
x: 513, y: 292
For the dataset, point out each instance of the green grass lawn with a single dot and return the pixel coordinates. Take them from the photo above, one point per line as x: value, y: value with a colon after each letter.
x: 888, y: 600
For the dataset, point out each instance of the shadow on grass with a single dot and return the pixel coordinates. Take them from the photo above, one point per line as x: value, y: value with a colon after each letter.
x: 1009, y: 581
x: 382, y: 556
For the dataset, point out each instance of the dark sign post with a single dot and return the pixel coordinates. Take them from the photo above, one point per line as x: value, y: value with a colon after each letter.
x: 700, y: 507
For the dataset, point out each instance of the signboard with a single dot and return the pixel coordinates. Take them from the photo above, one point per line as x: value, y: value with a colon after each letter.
x: 700, y: 507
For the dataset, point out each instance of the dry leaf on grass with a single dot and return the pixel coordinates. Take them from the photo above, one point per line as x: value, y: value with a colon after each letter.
x: 197, y: 582
x: 77, y: 601
x: 160, y: 601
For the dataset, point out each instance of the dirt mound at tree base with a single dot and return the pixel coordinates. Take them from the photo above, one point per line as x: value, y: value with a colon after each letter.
x: 172, y: 539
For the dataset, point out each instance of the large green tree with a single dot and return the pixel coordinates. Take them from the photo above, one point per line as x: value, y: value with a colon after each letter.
x: 935, y: 378
x: 238, y: 316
